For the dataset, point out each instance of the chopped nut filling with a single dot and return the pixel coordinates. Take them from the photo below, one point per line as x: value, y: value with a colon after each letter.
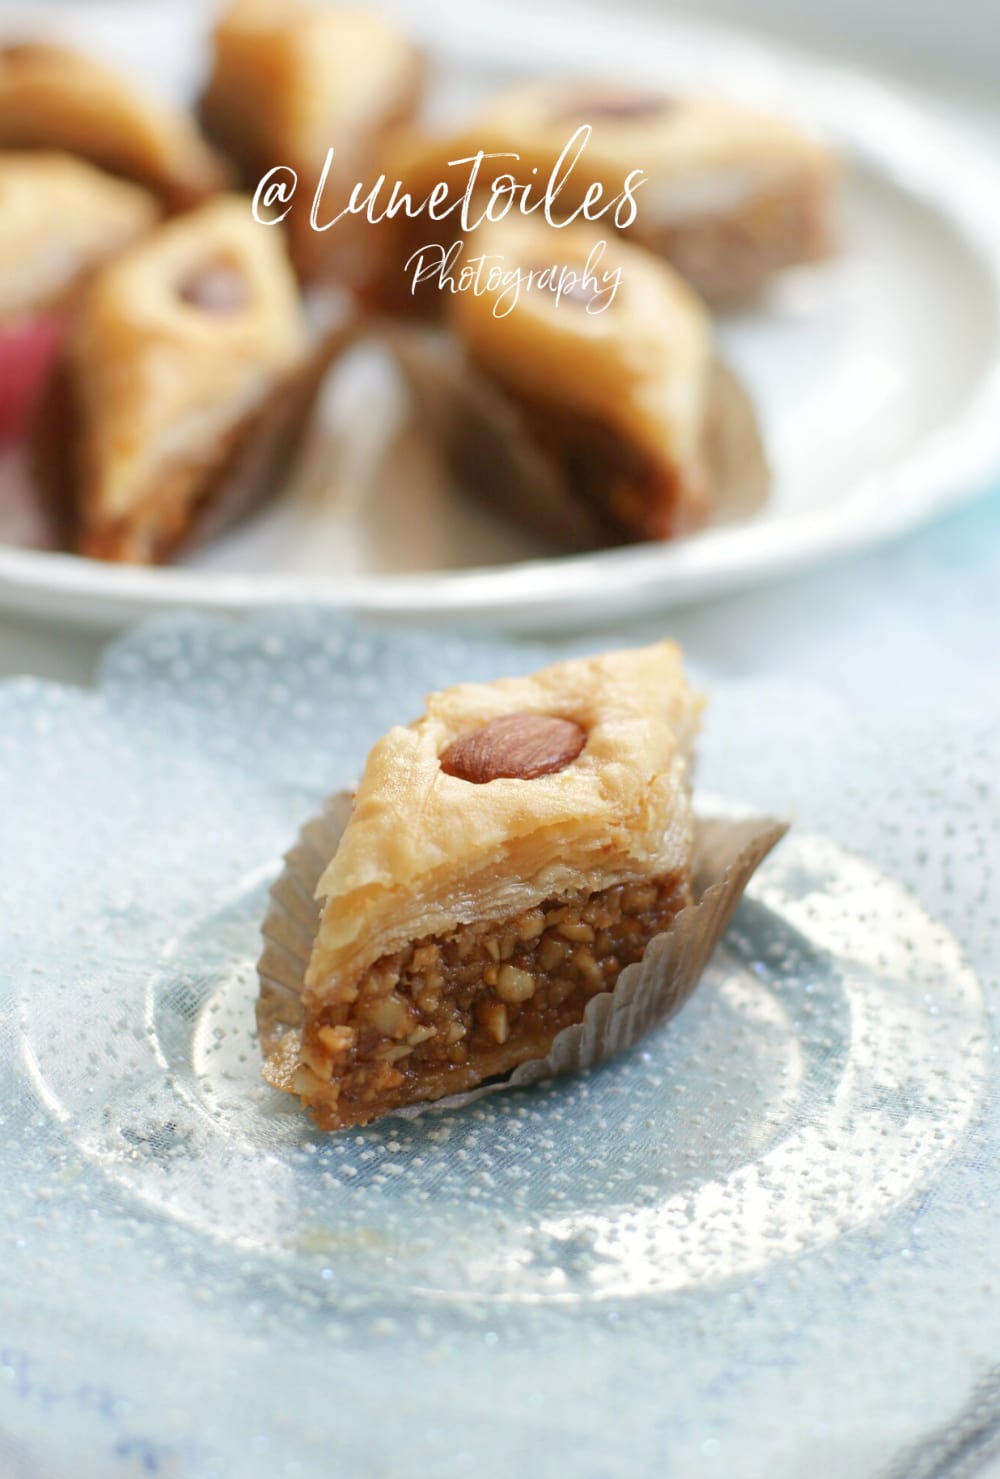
x: 447, y: 1012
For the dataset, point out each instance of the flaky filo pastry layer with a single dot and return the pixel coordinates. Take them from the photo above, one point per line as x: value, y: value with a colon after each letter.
x: 425, y: 852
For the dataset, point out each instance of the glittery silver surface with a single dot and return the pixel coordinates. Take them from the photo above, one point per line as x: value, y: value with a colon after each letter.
x: 713, y: 1256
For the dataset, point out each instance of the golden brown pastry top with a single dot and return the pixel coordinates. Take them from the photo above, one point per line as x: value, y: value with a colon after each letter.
x: 425, y: 850
x: 52, y: 97
x: 641, y: 364
x: 296, y: 78
x: 60, y: 217
x: 177, y: 339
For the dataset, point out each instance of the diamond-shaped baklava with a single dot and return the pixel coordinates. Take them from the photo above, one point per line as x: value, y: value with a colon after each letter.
x: 506, y: 857
x: 610, y: 380
x: 52, y: 97
x: 729, y: 196
x: 292, y: 79
x: 178, y: 352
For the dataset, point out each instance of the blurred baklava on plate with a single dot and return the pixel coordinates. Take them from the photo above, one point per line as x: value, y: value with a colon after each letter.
x: 292, y: 79
x: 729, y: 196
x: 180, y: 356
x: 588, y: 402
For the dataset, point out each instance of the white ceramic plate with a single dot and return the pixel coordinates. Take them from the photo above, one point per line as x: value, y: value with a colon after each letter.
x: 877, y: 377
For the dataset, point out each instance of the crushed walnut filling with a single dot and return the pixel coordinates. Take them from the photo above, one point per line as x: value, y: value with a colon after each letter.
x: 446, y: 1012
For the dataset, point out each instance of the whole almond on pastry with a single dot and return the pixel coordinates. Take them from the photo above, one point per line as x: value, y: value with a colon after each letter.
x: 519, y: 746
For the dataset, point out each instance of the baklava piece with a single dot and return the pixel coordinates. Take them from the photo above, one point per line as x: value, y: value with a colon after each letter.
x: 506, y: 857
x: 730, y: 197
x: 292, y: 79
x: 612, y: 384
x: 61, y: 217
x: 180, y: 351
x: 52, y: 97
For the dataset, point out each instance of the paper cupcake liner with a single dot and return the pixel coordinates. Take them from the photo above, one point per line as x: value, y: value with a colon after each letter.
x: 726, y: 855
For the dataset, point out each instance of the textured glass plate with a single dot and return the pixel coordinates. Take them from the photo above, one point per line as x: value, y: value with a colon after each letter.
x: 836, y: 359
x: 195, y: 1282
x: 820, y: 1076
